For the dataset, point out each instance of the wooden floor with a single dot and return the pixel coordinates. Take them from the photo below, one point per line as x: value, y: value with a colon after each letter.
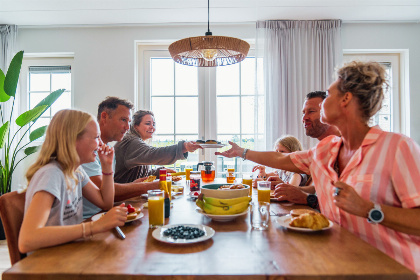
x: 4, y: 257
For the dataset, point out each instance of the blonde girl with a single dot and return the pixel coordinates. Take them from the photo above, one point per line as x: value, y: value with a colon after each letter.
x: 56, y: 183
x: 285, y: 144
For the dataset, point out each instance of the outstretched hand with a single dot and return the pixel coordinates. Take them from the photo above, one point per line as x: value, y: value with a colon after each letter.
x: 234, y: 151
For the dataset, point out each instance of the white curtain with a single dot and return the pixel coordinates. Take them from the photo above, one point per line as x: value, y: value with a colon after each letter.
x: 293, y: 59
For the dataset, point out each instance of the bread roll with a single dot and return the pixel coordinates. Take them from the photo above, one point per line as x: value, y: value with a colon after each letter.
x: 298, y: 212
x: 151, y: 178
x: 312, y: 220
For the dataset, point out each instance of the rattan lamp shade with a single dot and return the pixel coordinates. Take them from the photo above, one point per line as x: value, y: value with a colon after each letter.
x: 228, y: 50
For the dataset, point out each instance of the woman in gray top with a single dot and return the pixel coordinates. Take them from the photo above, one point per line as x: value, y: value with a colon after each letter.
x: 134, y: 156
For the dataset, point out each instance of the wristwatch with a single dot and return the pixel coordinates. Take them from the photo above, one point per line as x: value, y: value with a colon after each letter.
x: 312, y: 201
x: 375, y: 215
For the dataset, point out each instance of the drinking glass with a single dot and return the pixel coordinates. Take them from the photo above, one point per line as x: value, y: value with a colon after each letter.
x: 247, y: 180
x: 260, y: 215
x: 156, y: 208
x: 264, y: 188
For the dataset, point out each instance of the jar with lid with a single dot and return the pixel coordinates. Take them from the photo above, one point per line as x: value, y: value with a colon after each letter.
x: 230, y: 177
x: 195, y: 181
x: 207, y: 171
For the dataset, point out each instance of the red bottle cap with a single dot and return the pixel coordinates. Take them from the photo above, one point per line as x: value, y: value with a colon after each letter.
x: 162, y: 174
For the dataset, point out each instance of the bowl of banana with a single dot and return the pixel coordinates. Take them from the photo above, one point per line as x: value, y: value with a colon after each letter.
x: 222, y: 210
x: 225, y: 191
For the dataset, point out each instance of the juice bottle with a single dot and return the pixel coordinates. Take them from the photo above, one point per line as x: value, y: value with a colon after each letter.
x: 230, y: 177
x: 169, y: 185
x: 163, y: 186
x: 195, y: 181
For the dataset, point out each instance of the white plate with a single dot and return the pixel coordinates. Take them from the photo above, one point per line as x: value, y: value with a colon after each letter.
x: 191, y: 194
x: 221, y: 218
x: 158, y: 234
x: 204, y: 146
x: 285, y: 220
x: 99, y: 215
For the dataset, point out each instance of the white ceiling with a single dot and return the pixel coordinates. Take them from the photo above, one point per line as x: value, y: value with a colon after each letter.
x: 144, y: 12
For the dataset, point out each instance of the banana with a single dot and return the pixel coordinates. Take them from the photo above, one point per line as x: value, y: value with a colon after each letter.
x: 225, y: 210
x: 225, y: 202
x: 199, y: 203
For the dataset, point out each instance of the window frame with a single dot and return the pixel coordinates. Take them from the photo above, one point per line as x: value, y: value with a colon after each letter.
x: 63, y: 59
x: 400, y: 109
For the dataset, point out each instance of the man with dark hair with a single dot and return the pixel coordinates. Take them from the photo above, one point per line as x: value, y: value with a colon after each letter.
x: 114, y: 117
x: 311, y: 119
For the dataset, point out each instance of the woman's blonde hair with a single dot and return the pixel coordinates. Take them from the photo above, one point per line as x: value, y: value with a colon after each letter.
x: 60, y: 143
x: 366, y: 81
x: 289, y: 142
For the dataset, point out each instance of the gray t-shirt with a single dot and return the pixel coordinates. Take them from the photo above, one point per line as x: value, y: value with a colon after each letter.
x: 67, y: 206
x: 92, y: 169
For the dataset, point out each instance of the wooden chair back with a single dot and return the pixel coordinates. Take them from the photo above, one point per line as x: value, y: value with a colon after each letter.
x: 12, y: 207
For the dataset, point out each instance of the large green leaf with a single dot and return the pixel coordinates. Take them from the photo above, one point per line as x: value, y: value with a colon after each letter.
x: 12, y: 76
x: 30, y: 115
x: 49, y: 100
x: 31, y: 150
x: 37, y: 133
x: 4, y: 130
x: 3, y: 96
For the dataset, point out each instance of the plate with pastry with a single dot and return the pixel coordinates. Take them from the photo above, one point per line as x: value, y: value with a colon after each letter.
x: 211, y: 144
x: 306, y: 222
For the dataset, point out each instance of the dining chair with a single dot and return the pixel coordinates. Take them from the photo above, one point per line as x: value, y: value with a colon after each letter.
x: 12, y: 207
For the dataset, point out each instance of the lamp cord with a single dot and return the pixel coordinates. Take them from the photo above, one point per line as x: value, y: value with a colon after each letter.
x: 208, y: 15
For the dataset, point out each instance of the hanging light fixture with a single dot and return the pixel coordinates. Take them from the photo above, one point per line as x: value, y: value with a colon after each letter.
x: 209, y: 50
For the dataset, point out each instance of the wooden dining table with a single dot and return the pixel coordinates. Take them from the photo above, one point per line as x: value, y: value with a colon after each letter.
x: 236, y: 251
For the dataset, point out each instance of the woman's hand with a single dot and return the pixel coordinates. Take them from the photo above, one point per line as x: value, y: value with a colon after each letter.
x: 234, y: 151
x: 275, y: 180
x: 113, y: 218
x: 106, y: 156
x: 190, y: 147
x: 350, y: 201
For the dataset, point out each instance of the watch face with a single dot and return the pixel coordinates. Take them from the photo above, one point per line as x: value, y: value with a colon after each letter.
x: 376, y: 215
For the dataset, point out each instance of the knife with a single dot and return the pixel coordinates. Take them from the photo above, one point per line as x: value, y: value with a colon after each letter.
x: 120, y: 233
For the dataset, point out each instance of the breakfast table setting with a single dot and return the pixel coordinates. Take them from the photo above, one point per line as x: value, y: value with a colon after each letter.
x: 220, y: 245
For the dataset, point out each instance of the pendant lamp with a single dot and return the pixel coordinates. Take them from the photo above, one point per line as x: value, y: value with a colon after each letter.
x: 209, y: 50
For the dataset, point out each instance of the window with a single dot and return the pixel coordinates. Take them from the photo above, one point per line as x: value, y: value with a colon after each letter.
x: 193, y: 103
x: 44, y: 76
x: 394, y: 114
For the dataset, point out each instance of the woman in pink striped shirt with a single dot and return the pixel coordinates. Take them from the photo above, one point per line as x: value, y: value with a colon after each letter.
x: 367, y: 180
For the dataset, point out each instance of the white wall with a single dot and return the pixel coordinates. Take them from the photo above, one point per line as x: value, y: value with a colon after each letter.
x: 104, y: 57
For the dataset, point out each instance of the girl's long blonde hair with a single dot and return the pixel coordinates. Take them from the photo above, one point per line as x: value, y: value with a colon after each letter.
x: 289, y: 142
x: 60, y: 143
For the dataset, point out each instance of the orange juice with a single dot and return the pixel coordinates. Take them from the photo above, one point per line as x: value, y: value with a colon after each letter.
x: 169, y: 188
x: 156, y: 211
x: 249, y: 183
x: 187, y: 173
x: 264, y: 195
x: 230, y: 177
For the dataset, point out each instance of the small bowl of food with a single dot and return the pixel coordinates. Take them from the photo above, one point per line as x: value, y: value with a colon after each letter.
x: 225, y: 190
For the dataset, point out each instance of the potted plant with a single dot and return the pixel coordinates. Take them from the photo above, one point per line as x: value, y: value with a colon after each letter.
x: 12, y: 144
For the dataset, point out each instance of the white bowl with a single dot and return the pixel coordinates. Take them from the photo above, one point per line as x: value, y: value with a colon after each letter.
x: 212, y: 190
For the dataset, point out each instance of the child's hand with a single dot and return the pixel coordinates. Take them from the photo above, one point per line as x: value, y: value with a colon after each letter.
x: 106, y: 156
x: 261, y: 169
x: 113, y: 218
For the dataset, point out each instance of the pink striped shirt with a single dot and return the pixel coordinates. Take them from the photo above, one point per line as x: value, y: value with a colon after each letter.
x: 386, y: 170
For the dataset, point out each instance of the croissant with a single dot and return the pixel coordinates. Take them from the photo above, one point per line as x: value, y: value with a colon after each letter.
x: 151, y: 178
x: 313, y: 221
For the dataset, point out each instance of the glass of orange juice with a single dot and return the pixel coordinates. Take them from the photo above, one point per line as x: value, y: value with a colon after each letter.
x: 247, y: 180
x: 264, y: 188
x: 187, y: 173
x: 156, y: 208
